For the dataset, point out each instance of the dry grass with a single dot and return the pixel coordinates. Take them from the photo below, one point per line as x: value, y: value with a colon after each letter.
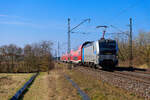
x: 144, y: 66
x: 11, y: 83
x: 52, y: 87
x: 99, y: 90
x: 38, y: 89
x: 126, y: 64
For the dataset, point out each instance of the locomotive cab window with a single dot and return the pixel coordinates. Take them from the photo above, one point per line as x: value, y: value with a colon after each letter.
x: 107, y: 47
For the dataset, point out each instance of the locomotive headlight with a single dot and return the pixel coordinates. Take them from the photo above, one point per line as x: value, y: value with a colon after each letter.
x: 117, y: 57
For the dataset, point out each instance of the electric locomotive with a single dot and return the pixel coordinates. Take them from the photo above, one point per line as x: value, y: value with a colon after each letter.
x: 102, y: 53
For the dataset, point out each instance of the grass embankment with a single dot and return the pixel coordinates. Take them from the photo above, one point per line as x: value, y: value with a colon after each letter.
x: 126, y: 64
x: 52, y: 87
x: 11, y: 83
x: 99, y: 90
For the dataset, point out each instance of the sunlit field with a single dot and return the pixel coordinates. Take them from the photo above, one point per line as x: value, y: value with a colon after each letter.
x: 10, y: 83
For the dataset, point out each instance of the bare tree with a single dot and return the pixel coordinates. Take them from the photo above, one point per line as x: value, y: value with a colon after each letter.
x: 31, y: 58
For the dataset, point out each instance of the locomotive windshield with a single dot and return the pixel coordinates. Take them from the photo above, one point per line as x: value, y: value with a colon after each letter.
x: 107, y: 47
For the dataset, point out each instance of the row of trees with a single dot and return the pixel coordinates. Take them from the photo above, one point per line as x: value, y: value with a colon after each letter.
x: 31, y: 58
x: 141, y: 49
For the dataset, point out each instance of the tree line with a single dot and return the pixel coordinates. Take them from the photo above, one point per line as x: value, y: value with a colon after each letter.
x: 141, y: 49
x: 31, y: 58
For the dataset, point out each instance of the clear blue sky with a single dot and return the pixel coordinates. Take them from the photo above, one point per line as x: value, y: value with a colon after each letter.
x: 29, y: 21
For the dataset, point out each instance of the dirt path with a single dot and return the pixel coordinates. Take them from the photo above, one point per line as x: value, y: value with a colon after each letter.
x: 52, y: 87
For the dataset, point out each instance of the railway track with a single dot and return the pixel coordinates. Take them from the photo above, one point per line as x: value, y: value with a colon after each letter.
x: 134, y: 82
x: 144, y: 72
x: 145, y: 78
x: 142, y: 77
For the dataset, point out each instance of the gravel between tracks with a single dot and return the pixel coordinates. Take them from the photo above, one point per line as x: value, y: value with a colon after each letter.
x: 131, y: 85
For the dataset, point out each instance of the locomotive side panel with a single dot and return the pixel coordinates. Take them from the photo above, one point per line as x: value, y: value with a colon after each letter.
x: 96, y: 52
x: 88, y: 55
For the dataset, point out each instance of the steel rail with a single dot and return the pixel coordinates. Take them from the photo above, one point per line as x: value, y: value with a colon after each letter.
x: 124, y: 75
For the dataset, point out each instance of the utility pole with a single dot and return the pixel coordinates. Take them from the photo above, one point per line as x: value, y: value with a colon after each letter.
x: 55, y: 54
x: 130, y: 54
x: 58, y: 52
x: 69, y: 48
x: 130, y: 44
x: 70, y: 30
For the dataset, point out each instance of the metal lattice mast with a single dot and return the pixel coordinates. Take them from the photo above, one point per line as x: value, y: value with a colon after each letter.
x: 58, y: 51
x: 130, y: 44
x: 69, y: 48
x: 70, y: 30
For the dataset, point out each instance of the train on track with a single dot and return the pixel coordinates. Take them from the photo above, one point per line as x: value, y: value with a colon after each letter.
x: 102, y: 53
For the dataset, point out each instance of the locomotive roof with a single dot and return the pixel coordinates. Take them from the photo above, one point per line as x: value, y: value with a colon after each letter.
x: 102, y: 40
x: 87, y: 42
x: 109, y: 40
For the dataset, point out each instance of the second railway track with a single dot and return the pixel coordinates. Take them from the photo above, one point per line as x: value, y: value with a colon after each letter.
x: 135, y: 76
x: 138, y: 83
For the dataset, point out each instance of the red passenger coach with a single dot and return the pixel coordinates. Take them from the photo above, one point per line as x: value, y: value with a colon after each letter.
x: 77, y: 56
x: 73, y: 57
x: 64, y: 57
